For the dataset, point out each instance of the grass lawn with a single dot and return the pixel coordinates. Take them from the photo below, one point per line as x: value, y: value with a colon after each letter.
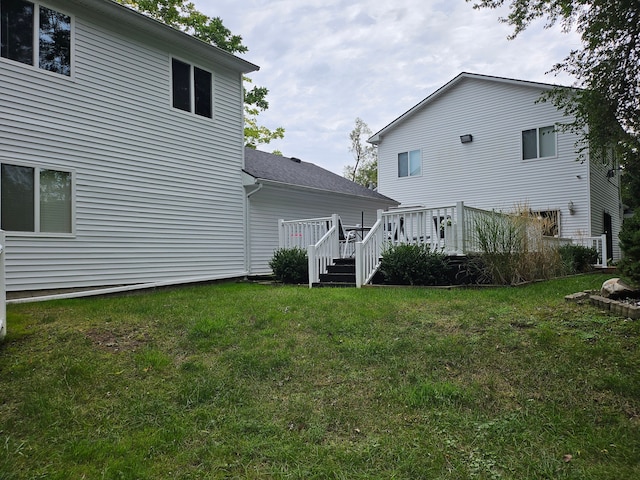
x: 242, y: 380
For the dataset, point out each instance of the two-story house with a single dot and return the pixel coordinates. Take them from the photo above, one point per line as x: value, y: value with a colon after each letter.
x: 490, y: 143
x: 121, y: 149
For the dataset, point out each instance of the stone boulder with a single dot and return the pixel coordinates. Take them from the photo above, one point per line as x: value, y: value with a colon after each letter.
x: 616, y: 288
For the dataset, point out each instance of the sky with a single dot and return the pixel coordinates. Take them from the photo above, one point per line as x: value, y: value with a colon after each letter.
x: 327, y: 62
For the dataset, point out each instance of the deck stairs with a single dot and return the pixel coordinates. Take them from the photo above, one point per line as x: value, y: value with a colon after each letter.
x: 342, y: 273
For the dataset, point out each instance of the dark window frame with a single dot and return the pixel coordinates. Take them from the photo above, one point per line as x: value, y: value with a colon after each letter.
x: 191, y: 88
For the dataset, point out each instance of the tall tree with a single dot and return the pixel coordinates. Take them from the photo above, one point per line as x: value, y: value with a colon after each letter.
x: 365, y: 169
x: 183, y: 15
x: 606, y: 107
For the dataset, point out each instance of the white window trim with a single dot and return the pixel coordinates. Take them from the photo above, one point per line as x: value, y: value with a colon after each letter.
x: 538, y: 157
x: 409, y: 163
x: 36, y: 200
x: 36, y: 44
x: 192, y: 89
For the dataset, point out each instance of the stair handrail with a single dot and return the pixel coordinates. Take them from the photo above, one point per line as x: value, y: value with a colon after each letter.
x: 321, y: 254
x: 368, y: 253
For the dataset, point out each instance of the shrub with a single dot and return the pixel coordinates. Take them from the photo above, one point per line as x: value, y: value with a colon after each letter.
x: 513, y: 247
x: 414, y: 265
x: 577, y: 258
x: 630, y: 246
x: 290, y: 265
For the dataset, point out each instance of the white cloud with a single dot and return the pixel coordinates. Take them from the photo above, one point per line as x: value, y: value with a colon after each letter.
x: 326, y: 62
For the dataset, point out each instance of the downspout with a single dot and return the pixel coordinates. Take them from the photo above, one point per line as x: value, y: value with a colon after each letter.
x: 247, y: 228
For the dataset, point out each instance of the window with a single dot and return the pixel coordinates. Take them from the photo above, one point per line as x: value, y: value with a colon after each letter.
x: 539, y: 143
x: 51, y: 51
x: 192, y: 89
x: 550, y: 222
x: 35, y: 199
x: 409, y: 164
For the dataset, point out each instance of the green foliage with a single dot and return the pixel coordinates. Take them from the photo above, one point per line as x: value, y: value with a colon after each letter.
x: 290, y: 265
x: 365, y: 169
x: 578, y: 258
x: 414, y: 265
x: 182, y: 15
x: 630, y: 246
x: 606, y: 110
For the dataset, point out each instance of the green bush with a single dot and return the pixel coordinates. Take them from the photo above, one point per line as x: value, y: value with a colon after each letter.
x: 290, y: 265
x: 577, y: 258
x: 630, y: 246
x: 414, y: 265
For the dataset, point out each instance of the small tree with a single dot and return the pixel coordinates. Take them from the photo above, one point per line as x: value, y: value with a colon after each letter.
x: 630, y: 246
x: 365, y: 170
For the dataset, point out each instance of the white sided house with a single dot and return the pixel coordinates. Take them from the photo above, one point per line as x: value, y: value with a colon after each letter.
x: 488, y: 142
x: 282, y: 188
x: 121, y: 149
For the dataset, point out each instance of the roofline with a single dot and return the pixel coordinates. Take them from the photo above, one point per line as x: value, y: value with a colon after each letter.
x: 376, y: 137
x: 276, y: 183
x: 155, y: 27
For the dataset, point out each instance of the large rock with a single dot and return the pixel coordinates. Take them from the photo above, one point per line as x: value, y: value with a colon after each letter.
x: 616, y: 288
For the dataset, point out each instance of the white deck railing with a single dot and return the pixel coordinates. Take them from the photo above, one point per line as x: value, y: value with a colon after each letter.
x: 322, y: 253
x: 302, y: 233
x: 449, y: 229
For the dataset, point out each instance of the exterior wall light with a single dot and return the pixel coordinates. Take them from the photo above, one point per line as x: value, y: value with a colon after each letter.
x: 571, y: 207
x: 468, y: 138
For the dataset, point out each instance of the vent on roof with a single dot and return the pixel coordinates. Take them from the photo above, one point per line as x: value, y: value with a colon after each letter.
x: 297, y: 160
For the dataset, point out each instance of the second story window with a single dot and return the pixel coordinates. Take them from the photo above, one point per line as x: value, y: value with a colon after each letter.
x: 539, y: 143
x: 409, y: 164
x: 49, y: 50
x: 192, y: 88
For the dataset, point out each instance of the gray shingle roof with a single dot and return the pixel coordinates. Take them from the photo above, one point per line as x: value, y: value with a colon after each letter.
x: 292, y: 171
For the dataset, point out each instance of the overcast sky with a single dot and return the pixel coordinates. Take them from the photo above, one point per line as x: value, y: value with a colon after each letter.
x: 326, y: 62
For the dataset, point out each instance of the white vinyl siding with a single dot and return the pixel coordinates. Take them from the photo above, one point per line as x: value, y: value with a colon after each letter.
x: 489, y: 171
x: 158, y: 193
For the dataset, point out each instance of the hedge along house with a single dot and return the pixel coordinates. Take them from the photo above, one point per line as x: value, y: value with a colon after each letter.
x: 488, y: 142
x: 121, y: 149
x: 283, y: 188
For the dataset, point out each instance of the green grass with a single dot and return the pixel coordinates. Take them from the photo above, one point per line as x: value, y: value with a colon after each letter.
x: 253, y: 381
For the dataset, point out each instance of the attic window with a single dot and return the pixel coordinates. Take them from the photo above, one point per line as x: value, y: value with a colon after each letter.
x: 192, y: 88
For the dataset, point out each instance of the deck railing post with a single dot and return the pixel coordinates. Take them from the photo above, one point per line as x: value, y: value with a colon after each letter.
x: 460, y: 228
x: 335, y: 241
x: 3, y: 290
x: 281, y: 233
x: 313, y: 264
x: 603, y: 241
x: 359, y: 265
